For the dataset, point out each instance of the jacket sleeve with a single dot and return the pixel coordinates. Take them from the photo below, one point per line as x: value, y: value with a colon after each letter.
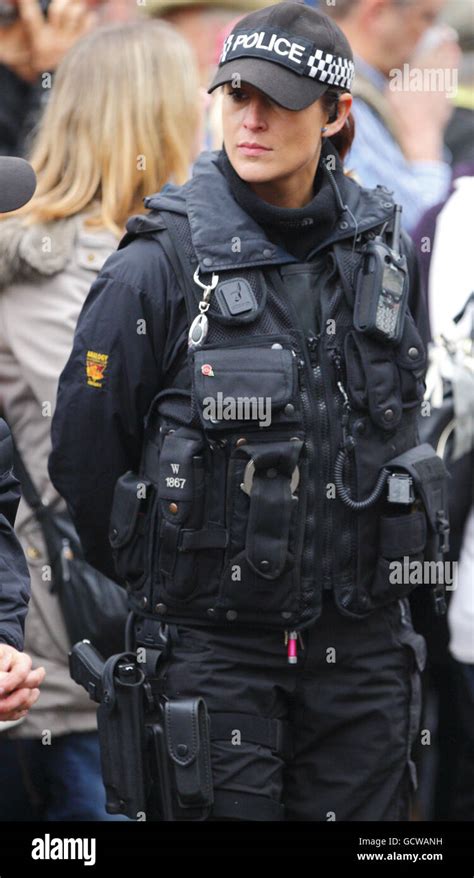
x: 105, y: 390
x: 14, y: 576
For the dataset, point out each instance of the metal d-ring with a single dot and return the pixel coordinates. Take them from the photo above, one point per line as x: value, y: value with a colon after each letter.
x: 206, y: 287
x: 249, y: 472
x: 199, y: 327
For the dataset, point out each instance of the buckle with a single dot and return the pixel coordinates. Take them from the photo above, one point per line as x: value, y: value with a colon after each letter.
x: 249, y: 473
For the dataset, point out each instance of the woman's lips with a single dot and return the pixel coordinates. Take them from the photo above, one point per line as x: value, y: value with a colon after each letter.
x: 252, y: 149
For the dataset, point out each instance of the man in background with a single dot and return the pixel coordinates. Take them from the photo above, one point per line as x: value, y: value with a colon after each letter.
x: 400, y: 121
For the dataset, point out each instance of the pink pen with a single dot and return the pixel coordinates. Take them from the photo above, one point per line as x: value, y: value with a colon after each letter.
x: 292, y: 651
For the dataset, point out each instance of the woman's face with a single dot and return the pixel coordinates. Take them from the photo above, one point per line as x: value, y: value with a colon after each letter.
x: 267, y: 143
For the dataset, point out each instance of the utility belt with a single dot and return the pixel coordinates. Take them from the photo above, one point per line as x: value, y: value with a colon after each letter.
x: 155, y: 751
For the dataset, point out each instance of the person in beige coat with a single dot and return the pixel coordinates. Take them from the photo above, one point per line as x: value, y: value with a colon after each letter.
x: 120, y: 123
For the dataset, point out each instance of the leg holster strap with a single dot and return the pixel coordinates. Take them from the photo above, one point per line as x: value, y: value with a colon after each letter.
x: 272, y: 733
x: 245, y: 806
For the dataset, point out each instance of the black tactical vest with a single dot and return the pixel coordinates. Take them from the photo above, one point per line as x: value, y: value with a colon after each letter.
x: 234, y: 518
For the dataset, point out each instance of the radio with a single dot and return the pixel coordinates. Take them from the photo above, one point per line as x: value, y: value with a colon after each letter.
x: 382, y: 288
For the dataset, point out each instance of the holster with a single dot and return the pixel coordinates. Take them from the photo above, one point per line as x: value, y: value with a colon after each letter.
x: 155, y: 753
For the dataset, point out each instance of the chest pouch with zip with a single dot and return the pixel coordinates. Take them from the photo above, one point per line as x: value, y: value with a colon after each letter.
x: 381, y: 293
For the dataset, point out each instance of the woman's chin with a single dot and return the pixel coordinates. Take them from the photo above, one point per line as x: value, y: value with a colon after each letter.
x: 253, y: 170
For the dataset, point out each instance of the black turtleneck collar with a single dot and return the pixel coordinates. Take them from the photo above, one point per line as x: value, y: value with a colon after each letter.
x: 298, y: 230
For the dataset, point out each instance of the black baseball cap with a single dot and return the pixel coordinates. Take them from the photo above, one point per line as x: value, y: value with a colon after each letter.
x: 289, y: 51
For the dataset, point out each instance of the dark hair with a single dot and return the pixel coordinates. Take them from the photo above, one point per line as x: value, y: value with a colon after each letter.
x: 342, y: 141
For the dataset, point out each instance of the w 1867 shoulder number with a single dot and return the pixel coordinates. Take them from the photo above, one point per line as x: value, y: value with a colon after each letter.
x: 175, y: 482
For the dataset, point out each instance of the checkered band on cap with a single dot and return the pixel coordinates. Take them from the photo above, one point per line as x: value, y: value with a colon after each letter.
x: 297, y: 53
x: 334, y: 70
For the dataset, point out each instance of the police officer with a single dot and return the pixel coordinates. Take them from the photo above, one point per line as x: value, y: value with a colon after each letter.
x: 18, y: 682
x: 245, y: 381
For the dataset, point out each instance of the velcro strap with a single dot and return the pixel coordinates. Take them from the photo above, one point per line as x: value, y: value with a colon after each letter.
x: 272, y: 733
x: 169, y: 540
x: 245, y: 806
x: 212, y: 537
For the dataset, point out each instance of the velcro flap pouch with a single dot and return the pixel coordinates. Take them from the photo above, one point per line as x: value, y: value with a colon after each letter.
x: 130, y: 496
x: 187, y: 730
x: 252, y: 385
x: 411, y: 359
x: 178, y: 486
x: 180, y: 491
x: 271, y: 504
x: 373, y: 379
x: 430, y: 478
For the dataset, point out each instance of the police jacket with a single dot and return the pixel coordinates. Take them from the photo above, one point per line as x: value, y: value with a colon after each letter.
x: 14, y: 577
x: 222, y: 514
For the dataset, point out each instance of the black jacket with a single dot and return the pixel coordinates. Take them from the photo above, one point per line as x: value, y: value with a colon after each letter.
x: 14, y: 576
x: 131, y: 338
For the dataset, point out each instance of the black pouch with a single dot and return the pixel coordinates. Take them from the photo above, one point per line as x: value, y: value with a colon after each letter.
x: 129, y: 532
x: 186, y: 531
x: 187, y: 732
x: 418, y: 534
x: 429, y: 476
x: 410, y: 357
x: 265, y: 502
x: 383, y: 379
x: 265, y: 478
x: 253, y: 386
x: 372, y: 379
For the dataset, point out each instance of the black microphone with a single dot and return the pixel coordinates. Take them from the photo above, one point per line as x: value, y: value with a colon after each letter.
x: 17, y: 183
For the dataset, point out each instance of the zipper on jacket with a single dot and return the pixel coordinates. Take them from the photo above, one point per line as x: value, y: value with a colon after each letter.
x: 348, y: 520
x: 324, y: 515
x: 307, y: 559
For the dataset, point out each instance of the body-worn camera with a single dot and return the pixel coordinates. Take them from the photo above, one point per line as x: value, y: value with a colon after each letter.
x: 382, y: 289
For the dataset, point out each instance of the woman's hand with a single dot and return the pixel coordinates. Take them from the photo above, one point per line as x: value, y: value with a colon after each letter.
x: 18, y: 683
x: 15, y: 49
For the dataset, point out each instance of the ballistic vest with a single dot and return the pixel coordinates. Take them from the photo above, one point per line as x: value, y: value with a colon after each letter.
x: 235, y: 517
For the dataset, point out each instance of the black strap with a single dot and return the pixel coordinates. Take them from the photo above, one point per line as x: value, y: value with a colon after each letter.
x: 43, y: 513
x: 184, y: 269
x: 212, y: 537
x: 272, y: 733
x: 171, y: 244
x: 245, y: 806
x: 28, y: 488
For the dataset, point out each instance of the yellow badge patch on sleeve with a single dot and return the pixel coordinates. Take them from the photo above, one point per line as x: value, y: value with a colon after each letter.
x: 96, y: 365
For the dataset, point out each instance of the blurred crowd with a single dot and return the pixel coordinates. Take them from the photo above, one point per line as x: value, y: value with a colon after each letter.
x: 107, y: 99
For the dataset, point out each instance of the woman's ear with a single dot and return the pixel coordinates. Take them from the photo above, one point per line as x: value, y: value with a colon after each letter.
x: 344, y: 105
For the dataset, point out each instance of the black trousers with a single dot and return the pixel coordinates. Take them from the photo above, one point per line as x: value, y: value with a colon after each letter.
x: 352, y: 704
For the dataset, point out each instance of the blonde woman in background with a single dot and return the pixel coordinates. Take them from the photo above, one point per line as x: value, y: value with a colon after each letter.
x: 122, y: 120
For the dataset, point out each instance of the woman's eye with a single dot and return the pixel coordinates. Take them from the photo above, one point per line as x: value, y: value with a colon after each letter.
x: 237, y: 95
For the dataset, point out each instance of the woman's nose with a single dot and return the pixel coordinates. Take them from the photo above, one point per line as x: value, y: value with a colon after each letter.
x: 254, y: 114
